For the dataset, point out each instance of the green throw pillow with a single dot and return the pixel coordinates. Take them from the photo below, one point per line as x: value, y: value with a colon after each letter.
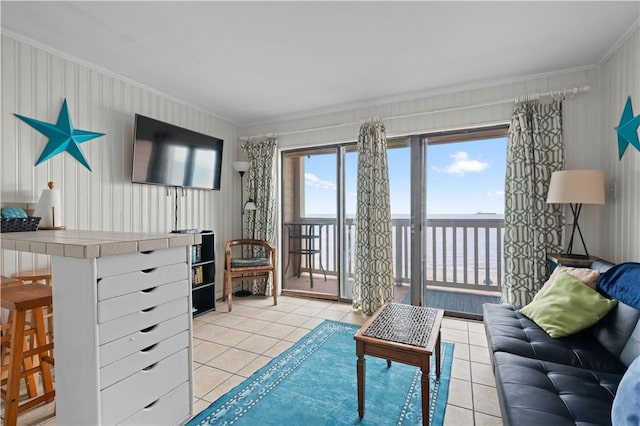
x: 568, y: 307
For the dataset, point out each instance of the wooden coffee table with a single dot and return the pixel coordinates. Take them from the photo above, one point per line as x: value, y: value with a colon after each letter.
x: 402, y: 333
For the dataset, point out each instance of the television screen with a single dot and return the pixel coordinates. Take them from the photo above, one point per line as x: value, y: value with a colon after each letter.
x: 164, y: 154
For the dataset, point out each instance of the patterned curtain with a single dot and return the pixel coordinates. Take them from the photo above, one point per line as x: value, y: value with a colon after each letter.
x: 373, y: 270
x: 532, y: 227
x: 260, y: 224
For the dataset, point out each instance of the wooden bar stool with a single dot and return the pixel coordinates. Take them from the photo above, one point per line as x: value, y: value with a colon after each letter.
x: 5, y: 337
x: 41, y: 276
x: 28, y: 276
x: 20, y: 299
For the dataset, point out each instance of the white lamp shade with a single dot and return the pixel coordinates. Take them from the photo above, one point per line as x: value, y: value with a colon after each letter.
x: 576, y: 186
x: 250, y: 205
x: 241, y: 166
x: 49, y: 208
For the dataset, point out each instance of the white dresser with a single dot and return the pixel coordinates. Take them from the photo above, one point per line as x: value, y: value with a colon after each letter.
x: 122, y: 325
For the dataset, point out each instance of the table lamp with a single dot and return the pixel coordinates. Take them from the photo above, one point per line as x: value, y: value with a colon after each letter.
x: 576, y: 187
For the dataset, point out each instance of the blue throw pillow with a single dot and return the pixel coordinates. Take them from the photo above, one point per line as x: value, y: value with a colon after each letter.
x: 626, y: 404
x: 622, y: 282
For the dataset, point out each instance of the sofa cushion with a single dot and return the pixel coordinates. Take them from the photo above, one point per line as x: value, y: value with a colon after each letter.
x: 534, y: 392
x: 568, y: 307
x: 509, y: 331
x: 584, y: 275
x: 622, y: 283
x: 615, y: 330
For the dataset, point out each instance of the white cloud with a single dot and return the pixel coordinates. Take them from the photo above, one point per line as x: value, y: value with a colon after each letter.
x: 496, y: 194
x: 463, y: 164
x: 314, y: 181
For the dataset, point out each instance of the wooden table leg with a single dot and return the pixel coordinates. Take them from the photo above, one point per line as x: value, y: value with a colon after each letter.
x: 424, y: 382
x: 360, y: 364
x: 438, y: 350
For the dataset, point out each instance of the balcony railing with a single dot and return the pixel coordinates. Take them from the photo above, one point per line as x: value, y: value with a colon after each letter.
x: 460, y: 253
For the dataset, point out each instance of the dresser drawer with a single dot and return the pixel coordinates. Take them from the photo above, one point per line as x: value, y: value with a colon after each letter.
x: 137, y: 391
x: 125, y: 367
x: 117, y: 285
x: 116, y: 307
x: 140, y: 320
x: 134, y: 342
x: 123, y: 263
x: 171, y: 409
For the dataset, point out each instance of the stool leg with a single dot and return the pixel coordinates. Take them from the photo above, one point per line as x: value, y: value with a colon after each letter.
x: 27, y: 362
x: 41, y: 336
x: 15, y: 363
x: 28, y: 343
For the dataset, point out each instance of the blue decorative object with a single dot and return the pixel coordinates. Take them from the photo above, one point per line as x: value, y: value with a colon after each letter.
x: 621, y: 283
x: 626, y: 404
x: 13, y: 212
x: 62, y: 136
x: 628, y: 129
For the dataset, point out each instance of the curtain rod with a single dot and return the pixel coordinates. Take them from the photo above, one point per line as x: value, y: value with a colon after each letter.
x: 534, y: 95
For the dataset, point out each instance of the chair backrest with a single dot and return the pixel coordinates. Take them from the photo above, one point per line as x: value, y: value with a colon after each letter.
x: 241, y: 242
x: 270, y: 250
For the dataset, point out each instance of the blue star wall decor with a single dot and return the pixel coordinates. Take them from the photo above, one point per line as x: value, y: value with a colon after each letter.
x: 628, y: 129
x: 62, y: 136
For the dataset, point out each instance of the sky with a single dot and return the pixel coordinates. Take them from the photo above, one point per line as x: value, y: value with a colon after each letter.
x: 462, y: 178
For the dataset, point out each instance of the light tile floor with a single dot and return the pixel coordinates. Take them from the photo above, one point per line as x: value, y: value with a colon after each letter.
x: 229, y: 347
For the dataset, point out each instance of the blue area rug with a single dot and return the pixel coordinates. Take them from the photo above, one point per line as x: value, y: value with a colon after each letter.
x: 314, y: 383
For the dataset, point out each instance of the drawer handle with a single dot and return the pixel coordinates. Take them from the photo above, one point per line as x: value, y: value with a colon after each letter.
x: 148, y: 329
x: 149, y: 348
x: 147, y: 252
x: 150, y: 367
x: 151, y: 405
x: 148, y: 309
x: 148, y: 290
x: 148, y: 271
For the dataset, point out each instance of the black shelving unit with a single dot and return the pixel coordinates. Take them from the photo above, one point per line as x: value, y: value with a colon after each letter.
x: 203, y: 274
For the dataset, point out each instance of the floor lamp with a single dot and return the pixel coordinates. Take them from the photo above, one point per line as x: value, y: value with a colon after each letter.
x: 241, y: 167
x: 576, y: 187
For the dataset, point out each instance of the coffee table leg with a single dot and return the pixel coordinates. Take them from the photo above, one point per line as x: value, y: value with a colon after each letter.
x: 438, y: 350
x: 425, y: 392
x: 360, y: 364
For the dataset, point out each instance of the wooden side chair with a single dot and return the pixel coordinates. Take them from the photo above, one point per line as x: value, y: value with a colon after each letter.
x: 250, y: 268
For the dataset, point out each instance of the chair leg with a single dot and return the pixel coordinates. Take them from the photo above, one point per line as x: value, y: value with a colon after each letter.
x: 224, y: 287
x: 229, y: 292
x: 274, y: 288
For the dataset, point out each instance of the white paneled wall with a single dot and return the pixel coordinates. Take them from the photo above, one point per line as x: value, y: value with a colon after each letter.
x: 34, y: 84
x: 620, y: 78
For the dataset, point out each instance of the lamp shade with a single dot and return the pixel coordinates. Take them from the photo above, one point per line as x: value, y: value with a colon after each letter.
x: 576, y: 186
x: 250, y: 205
x: 241, y: 166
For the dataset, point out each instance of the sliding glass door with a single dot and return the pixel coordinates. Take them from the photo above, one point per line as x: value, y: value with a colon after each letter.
x: 319, y: 189
x: 463, y: 233
x: 447, y: 221
x: 310, y: 214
